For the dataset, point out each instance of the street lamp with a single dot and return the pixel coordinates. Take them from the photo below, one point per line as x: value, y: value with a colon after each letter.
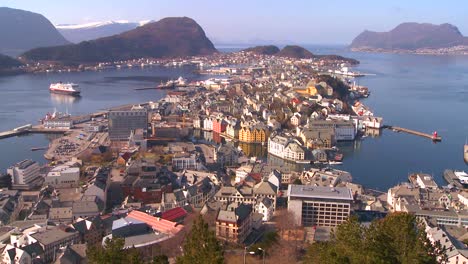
x: 263, y: 252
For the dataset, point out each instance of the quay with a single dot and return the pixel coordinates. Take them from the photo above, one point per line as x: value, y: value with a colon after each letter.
x: 433, y: 137
x: 12, y: 133
x: 452, y: 179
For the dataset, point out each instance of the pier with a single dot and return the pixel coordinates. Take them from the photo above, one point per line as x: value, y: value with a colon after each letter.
x: 12, y: 133
x: 433, y: 137
x: 452, y: 179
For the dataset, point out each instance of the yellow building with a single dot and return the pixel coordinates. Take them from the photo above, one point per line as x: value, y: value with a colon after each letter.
x: 253, y: 134
x: 310, y: 89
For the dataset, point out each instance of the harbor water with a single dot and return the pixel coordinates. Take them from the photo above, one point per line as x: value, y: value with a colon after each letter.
x: 419, y: 92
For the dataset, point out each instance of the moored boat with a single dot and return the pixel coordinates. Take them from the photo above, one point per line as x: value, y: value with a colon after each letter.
x: 462, y: 176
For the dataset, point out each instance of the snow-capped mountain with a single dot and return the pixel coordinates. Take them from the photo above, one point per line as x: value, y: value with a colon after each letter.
x: 80, y: 32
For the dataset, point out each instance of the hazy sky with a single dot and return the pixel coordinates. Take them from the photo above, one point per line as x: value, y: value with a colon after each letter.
x: 299, y: 21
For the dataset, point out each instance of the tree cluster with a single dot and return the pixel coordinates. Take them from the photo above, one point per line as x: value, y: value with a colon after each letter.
x: 201, y: 246
x: 398, y: 238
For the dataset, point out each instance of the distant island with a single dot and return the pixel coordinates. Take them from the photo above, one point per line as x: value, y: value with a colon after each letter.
x: 166, y: 38
x: 296, y: 52
x: 22, y: 30
x: 422, y: 38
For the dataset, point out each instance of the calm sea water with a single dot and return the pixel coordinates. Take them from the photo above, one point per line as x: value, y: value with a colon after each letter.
x: 425, y: 93
x: 420, y: 92
x: 24, y: 99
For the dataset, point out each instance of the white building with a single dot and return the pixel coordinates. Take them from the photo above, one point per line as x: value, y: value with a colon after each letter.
x: 373, y: 122
x: 426, y: 181
x: 242, y: 172
x: 456, y: 251
x: 24, y: 172
x: 186, y: 161
x: 208, y: 123
x: 318, y: 205
x: 344, y: 130
x: 63, y: 176
x: 296, y: 119
x: 285, y: 148
x: 266, y: 208
x: 197, y: 122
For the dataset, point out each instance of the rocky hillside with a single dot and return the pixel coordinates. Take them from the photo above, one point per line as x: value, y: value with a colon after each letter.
x: 263, y: 50
x: 9, y: 65
x: 22, y: 30
x: 169, y: 37
x: 293, y: 51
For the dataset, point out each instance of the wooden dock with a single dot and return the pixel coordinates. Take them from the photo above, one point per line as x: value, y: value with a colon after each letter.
x: 414, y: 132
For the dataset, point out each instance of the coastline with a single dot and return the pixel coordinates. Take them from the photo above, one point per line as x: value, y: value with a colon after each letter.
x: 422, y: 51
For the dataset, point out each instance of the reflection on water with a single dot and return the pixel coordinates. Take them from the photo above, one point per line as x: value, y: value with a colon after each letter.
x: 64, y: 99
x: 372, y: 132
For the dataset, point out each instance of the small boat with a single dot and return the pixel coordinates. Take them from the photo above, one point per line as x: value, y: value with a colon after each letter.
x: 338, y: 157
x: 38, y: 148
x: 335, y: 162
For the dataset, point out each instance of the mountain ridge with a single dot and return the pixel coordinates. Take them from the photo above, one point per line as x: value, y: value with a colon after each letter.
x: 77, y: 33
x: 295, y: 51
x: 23, y: 30
x: 168, y: 37
x: 411, y: 36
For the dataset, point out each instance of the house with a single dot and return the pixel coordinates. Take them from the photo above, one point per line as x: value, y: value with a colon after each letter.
x: 124, y: 158
x: 456, y: 252
x: 91, y: 230
x: 242, y: 172
x: 219, y: 125
x: 73, y: 254
x: 63, y: 176
x: 296, y: 119
x: 197, y: 122
x: 99, y: 185
x: 226, y: 155
x: 208, y: 123
x: 232, y: 129
x: 317, y: 138
x: 257, y: 133
x: 265, y: 207
x: 11, y: 203
x: 186, y: 161
x: 247, y: 194
x: 52, y: 238
x: 343, y: 130
x: 31, y: 253
x: 320, y: 155
x: 373, y: 122
x: 285, y: 147
x: 235, y: 223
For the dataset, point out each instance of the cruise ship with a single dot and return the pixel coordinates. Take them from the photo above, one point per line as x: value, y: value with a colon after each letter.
x: 65, y: 88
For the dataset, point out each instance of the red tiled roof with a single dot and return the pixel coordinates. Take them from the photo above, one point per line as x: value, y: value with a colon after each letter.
x: 174, y: 214
x: 158, y: 224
